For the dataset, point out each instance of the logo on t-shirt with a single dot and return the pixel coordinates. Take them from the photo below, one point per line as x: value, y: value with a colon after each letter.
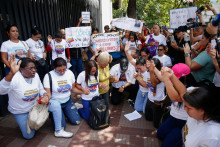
x: 30, y: 95
x: 59, y: 49
x: 149, y: 84
x: 93, y: 85
x: 122, y: 77
x: 63, y: 86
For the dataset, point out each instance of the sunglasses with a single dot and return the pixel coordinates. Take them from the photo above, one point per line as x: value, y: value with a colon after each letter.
x: 160, y: 49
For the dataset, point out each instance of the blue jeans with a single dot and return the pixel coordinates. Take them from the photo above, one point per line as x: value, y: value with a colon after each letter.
x: 141, y: 101
x: 76, y: 66
x: 85, y: 111
x: 21, y: 119
x: 171, y: 132
x: 58, y: 110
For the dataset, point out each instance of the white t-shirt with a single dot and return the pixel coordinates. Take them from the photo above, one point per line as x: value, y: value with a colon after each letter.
x: 22, y: 95
x: 58, y: 49
x: 165, y: 60
x: 159, y: 92
x: 202, y: 133
x: 5, y: 85
x: 216, y: 79
x: 179, y: 112
x: 123, y: 77
x: 36, y: 48
x: 160, y: 38
x: 20, y: 49
x: 145, y: 76
x: 92, y: 84
x: 61, y: 85
x: 134, y: 45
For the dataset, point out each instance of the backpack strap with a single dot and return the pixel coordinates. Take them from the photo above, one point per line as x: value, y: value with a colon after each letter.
x: 50, y: 80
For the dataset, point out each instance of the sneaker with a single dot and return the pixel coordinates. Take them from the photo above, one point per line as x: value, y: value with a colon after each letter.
x: 62, y: 133
x: 78, y: 106
x: 131, y: 103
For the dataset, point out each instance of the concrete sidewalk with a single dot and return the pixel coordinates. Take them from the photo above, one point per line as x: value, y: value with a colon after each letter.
x: 121, y: 133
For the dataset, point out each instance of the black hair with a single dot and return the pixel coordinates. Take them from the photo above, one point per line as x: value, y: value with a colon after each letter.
x: 164, y: 47
x: 8, y: 28
x: 157, y: 63
x: 133, y: 34
x: 88, y: 66
x: 25, y: 62
x: 95, y: 29
x: 140, y: 61
x: 146, y: 50
x: 157, y: 25
x: 205, y: 99
x: 58, y: 34
x: 58, y: 62
x: 36, y: 30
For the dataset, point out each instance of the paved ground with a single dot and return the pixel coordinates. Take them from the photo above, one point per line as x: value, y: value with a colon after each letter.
x: 121, y: 133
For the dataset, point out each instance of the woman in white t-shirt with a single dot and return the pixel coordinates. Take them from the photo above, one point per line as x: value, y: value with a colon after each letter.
x: 63, y: 82
x: 202, y: 105
x: 37, y: 50
x: 135, y: 44
x: 13, y: 46
x: 88, y: 83
x: 58, y: 46
x: 24, y: 88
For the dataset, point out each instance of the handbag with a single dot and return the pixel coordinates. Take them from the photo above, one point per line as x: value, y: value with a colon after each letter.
x: 37, y: 116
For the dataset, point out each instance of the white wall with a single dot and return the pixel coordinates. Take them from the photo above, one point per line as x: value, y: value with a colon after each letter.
x: 105, y: 13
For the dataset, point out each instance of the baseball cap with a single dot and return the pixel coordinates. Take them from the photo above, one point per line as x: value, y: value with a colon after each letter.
x: 181, y: 70
x: 106, y: 27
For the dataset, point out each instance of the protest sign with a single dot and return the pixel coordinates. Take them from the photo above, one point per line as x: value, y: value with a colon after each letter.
x: 108, y: 42
x: 78, y: 36
x: 178, y: 17
x: 85, y: 17
x: 128, y: 24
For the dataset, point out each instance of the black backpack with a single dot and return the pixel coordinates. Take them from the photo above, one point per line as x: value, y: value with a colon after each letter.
x: 99, y: 114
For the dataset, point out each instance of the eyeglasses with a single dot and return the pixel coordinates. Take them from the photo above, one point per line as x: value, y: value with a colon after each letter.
x: 160, y: 49
x: 32, y: 68
x: 60, y: 71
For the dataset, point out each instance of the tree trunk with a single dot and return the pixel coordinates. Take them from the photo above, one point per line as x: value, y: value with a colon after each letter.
x: 131, y: 11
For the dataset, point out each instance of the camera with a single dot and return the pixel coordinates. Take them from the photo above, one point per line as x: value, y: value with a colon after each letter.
x: 200, y: 9
x: 189, y: 26
x: 171, y: 39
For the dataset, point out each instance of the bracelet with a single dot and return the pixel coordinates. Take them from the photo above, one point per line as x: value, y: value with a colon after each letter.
x: 39, y: 100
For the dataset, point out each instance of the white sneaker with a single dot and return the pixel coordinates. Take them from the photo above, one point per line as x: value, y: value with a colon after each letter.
x: 62, y: 133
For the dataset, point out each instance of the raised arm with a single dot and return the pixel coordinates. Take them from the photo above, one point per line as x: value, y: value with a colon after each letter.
x: 130, y: 58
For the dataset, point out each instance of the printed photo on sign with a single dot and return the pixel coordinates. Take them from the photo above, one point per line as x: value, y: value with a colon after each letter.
x: 93, y: 85
x: 63, y: 86
x: 30, y: 95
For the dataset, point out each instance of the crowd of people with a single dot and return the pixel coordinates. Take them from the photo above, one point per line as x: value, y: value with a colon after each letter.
x: 158, y: 70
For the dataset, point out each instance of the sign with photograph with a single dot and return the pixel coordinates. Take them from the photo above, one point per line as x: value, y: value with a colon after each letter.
x: 85, y: 17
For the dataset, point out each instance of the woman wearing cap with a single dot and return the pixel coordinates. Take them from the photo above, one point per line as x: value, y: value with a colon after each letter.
x: 202, y: 105
x: 124, y: 72
x: 170, y: 130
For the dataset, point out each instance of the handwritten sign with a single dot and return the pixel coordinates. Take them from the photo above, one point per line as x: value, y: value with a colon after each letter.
x: 85, y: 17
x: 128, y: 24
x: 78, y: 36
x: 178, y: 17
x: 109, y: 42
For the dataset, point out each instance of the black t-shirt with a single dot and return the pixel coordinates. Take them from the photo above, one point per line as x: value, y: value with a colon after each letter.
x: 176, y: 56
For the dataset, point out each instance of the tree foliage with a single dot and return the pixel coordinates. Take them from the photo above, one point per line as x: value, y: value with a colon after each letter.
x: 156, y: 11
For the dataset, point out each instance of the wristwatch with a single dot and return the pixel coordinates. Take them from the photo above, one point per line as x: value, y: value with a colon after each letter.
x: 123, y: 86
x: 187, y: 54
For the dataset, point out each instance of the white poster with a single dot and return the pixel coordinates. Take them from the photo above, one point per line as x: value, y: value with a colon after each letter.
x: 128, y: 24
x: 109, y: 42
x: 178, y: 17
x: 78, y: 36
x: 85, y: 17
